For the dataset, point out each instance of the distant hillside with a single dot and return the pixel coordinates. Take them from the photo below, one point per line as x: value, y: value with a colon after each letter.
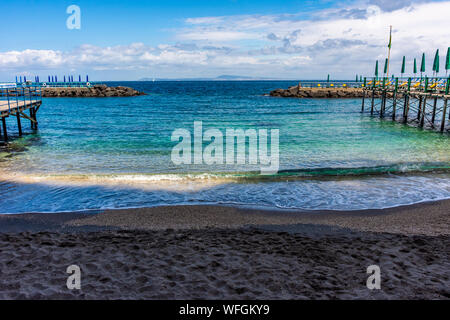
x: 224, y: 77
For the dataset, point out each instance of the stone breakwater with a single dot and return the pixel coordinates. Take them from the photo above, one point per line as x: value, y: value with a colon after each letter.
x: 299, y: 92
x: 94, y: 91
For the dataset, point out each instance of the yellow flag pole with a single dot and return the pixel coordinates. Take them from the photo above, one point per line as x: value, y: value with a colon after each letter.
x: 389, y: 52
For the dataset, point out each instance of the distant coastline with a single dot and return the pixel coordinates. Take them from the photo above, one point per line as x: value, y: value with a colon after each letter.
x: 233, y: 78
x: 219, y: 78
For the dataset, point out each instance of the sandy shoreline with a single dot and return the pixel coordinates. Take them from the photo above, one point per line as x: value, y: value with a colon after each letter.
x: 427, y: 218
x: 213, y: 252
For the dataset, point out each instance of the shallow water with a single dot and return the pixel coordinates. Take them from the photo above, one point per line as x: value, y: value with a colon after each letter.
x: 94, y: 153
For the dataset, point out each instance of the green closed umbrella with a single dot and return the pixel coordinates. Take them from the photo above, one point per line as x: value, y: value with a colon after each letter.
x: 403, y: 65
x: 447, y: 61
x: 376, y: 69
x: 357, y: 78
x: 328, y: 78
x: 436, y: 61
x: 415, y: 66
x: 385, y: 65
x: 422, y: 65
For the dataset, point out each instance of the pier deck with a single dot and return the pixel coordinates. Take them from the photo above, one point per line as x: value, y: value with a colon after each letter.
x: 11, y: 108
x: 14, y: 101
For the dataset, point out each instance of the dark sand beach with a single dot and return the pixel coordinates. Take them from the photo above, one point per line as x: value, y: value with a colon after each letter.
x: 212, y: 252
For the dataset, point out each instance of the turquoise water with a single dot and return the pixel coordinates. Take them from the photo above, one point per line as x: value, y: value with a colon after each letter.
x: 92, y: 153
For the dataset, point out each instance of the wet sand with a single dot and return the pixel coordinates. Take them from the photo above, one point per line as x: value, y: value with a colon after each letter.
x: 212, y: 252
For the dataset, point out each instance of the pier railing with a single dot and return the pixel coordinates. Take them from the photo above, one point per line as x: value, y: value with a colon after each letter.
x: 12, y: 96
x: 330, y: 84
x: 424, y: 84
x: 62, y: 84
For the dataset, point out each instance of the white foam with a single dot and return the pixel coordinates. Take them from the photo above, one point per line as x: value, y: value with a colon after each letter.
x: 348, y: 194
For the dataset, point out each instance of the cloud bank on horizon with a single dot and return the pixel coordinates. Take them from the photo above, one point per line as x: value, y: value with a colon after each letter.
x: 342, y: 41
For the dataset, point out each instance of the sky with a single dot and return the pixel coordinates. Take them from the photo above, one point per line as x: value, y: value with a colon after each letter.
x: 288, y: 39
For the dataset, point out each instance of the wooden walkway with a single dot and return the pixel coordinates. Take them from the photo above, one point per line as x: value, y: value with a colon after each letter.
x: 421, y: 103
x: 14, y: 101
x: 11, y: 107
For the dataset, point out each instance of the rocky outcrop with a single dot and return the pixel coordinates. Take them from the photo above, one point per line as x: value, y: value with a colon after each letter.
x: 299, y: 92
x: 94, y: 91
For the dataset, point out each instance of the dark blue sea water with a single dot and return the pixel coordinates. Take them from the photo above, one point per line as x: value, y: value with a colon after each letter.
x: 92, y: 153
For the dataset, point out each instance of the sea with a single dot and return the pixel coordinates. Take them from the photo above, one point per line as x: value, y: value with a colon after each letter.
x: 117, y: 152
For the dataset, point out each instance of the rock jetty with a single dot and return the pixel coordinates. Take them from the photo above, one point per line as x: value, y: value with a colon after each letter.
x: 300, y: 92
x: 94, y: 91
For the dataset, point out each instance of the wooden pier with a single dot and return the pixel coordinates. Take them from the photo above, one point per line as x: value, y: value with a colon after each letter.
x: 15, y: 101
x: 422, y: 103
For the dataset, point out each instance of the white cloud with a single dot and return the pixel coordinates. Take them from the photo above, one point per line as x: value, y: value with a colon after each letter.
x: 234, y: 61
x: 133, y: 55
x: 296, y: 60
x: 214, y: 36
x: 204, y: 20
x: 29, y: 57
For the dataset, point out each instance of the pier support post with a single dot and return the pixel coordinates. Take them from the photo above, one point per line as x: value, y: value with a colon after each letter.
x: 424, y: 109
x: 383, y: 99
x: 383, y: 103
x: 406, y: 105
x: 433, y: 117
x: 447, y: 90
x: 32, y: 116
x: 373, y: 102
x: 19, y: 125
x: 363, y: 97
x: 394, y: 102
x: 35, y: 118
x: 444, y: 110
x: 406, y: 108
x: 394, y: 106
x: 5, y: 133
x: 419, y: 109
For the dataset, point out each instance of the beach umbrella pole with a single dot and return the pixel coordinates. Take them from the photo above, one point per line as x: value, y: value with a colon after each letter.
x: 389, y: 51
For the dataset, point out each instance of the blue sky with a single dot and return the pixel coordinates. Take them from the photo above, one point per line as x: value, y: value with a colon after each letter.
x: 127, y: 40
x: 122, y: 22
